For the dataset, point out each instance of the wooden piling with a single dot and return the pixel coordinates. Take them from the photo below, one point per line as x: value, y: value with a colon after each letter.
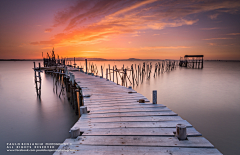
x: 86, y: 65
x: 181, y: 132
x: 154, y: 96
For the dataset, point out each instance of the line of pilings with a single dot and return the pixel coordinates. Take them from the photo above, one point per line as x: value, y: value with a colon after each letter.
x: 74, y: 92
x: 130, y: 76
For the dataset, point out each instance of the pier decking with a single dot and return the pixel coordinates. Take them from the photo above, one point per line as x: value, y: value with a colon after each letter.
x: 118, y: 124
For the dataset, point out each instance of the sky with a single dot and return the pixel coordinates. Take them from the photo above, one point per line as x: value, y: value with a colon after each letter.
x: 120, y: 29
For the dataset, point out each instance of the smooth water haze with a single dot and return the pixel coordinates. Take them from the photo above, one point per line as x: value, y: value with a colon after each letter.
x: 208, y: 98
x: 23, y: 117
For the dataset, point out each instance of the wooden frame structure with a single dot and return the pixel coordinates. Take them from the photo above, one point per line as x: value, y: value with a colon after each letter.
x: 192, y: 61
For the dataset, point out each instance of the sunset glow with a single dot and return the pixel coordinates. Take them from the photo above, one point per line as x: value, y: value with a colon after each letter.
x: 114, y: 29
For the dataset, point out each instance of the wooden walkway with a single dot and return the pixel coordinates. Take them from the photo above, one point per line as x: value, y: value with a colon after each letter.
x: 118, y: 124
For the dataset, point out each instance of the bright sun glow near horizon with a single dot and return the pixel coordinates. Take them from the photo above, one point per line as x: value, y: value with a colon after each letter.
x: 120, y: 29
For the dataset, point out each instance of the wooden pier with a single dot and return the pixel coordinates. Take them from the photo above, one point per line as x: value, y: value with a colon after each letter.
x: 115, y: 121
x: 192, y: 61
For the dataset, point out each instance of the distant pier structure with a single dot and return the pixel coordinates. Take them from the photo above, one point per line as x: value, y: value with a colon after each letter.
x: 192, y: 61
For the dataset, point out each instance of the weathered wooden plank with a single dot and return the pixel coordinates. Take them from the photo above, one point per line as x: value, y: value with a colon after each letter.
x: 80, y: 149
x: 143, y: 141
x: 116, y: 99
x: 120, y: 110
x: 137, y: 105
x: 132, y: 119
x: 99, y: 106
x: 163, y: 124
x: 127, y: 114
x: 137, y: 132
x: 111, y: 103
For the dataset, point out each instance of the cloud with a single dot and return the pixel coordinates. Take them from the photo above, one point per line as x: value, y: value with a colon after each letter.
x: 164, y: 47
x: 217, y: 38
x: 213, y: 16
x: 233, y: 34
x: 212, y: 44
x: 48, y: 30
x: 90, y: 51
x: 146, y: 48
x: 212, y: 28
x: 90, y: 22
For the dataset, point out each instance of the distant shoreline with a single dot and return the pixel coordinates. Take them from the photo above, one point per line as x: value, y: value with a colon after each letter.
x: 99, y: 59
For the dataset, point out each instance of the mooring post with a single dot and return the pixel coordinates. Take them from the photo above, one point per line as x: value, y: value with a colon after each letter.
x: 83, y: 110
x: 86, y: 64
x: 181, y: 131
x: 75, y: 132
x: 113, y: 73
x: 154, y: 97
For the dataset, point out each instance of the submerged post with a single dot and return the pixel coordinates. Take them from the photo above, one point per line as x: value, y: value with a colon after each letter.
x: 154, y: 97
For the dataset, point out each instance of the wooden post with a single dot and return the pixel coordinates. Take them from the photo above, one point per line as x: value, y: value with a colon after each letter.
x: 86, y: 65
x: 125, y: 76
x: 80, y: 97
x: 102, y: 71
x: 116, y: 74
x: 202, y: 62
x: 113, y: 73
x: 74, y: 64
x: 75, y: 132
x: 154, y: 97
x: 181, y: 131
x: 40, y: 80
x: 132, y: 74
x: 83, y: 110
x: 107, y: 74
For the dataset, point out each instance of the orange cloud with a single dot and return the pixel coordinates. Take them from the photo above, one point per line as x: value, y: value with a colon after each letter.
x: 48, y: 30
x: 92, y: 22
x: 212, y: 28
x: 217, y: 38
x: 233, y: 34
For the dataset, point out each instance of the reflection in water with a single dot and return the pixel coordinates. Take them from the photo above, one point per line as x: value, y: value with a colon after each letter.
x: 25, y: 117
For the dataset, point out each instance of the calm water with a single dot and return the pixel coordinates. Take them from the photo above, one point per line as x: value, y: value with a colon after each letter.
x: 23, y: 117
x: 209, y: 99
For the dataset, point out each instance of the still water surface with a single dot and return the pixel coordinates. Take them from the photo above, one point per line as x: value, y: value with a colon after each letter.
x: 23, y: 117
x: 208, y: 98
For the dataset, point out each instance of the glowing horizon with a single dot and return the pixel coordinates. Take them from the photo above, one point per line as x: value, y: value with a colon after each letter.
x: 147, y: 29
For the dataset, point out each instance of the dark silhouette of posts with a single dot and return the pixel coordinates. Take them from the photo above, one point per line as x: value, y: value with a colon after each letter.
x: 86, y: 65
